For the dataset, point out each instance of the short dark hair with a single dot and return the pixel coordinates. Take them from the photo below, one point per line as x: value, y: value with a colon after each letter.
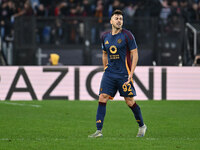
x: 117, y: 12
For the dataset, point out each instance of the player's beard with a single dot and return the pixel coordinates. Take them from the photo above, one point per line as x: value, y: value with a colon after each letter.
x: 117, y: 27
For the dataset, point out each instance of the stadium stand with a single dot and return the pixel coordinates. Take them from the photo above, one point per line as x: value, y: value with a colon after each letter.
x: 74, y: 25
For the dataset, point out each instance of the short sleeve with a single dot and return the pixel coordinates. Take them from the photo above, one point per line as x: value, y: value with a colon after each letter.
x: 130, y: 39
x: 132, y: 43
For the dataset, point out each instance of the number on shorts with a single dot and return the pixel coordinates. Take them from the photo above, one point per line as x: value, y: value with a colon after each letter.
x: 124, y: 86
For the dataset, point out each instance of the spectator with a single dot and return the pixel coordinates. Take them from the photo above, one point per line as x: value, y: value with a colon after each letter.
x: 86, y: 8
x: 115, y: 5
x: 40, y: 10
x: 193, y: 12
x: 184, y: 6
x: 175, y: 8
x: 142, y: 10
x: 26, y: 11
x: 54, y: 60
x: 154, y: 8
x: 61, y: 9
x: 130, y: 10
x: 7, y: 10
x: 97, y: 27
x: 165, y: 11
x: 57, y: 33
x: 34, y: 4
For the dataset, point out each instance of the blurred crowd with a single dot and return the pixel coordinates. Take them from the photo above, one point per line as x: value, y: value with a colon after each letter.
x: 168, y: 13
x: 189, y: 9
x: 164, y: 9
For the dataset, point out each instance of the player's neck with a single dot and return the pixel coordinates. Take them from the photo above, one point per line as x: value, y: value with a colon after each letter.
x: 116, y: 30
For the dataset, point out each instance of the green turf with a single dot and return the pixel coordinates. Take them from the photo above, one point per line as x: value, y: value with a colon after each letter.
x: 65, y: 125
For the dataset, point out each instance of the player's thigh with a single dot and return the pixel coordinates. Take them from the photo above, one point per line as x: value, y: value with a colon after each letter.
x: 108, y: 86
x: 126, y: 90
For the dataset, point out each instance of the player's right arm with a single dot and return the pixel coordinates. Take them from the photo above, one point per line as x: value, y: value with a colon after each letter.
x: 104, y: 59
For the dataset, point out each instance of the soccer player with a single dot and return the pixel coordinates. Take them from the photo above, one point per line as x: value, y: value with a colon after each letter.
x: 119, y: 58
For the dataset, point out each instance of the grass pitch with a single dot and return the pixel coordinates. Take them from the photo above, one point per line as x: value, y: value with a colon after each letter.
x: 65, y: 125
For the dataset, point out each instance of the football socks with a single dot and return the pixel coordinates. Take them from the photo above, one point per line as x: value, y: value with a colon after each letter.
x: 137, y: 113
x: 101, y: 112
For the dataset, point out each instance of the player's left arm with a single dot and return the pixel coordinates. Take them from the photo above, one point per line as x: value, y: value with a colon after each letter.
x: 134, y: 56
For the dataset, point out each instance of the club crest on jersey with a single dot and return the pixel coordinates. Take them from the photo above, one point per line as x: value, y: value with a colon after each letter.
x: 113, y: 49
x: 107, y: 42
x: 119, y: 41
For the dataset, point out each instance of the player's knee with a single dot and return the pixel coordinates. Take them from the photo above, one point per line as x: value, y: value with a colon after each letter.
x: 130, y: 102
x: 103, y: 98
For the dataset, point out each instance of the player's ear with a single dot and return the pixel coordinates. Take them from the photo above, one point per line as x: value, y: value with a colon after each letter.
x: 110, y: 21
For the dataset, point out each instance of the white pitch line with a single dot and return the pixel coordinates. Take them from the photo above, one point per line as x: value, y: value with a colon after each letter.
x: 37, y: 139
x: 4, y: 139
x: 7, y: 139
x: 18, y: 104
x: 152, y: 139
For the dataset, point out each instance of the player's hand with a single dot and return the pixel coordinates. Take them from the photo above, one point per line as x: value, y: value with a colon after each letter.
x: 129, y: 80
